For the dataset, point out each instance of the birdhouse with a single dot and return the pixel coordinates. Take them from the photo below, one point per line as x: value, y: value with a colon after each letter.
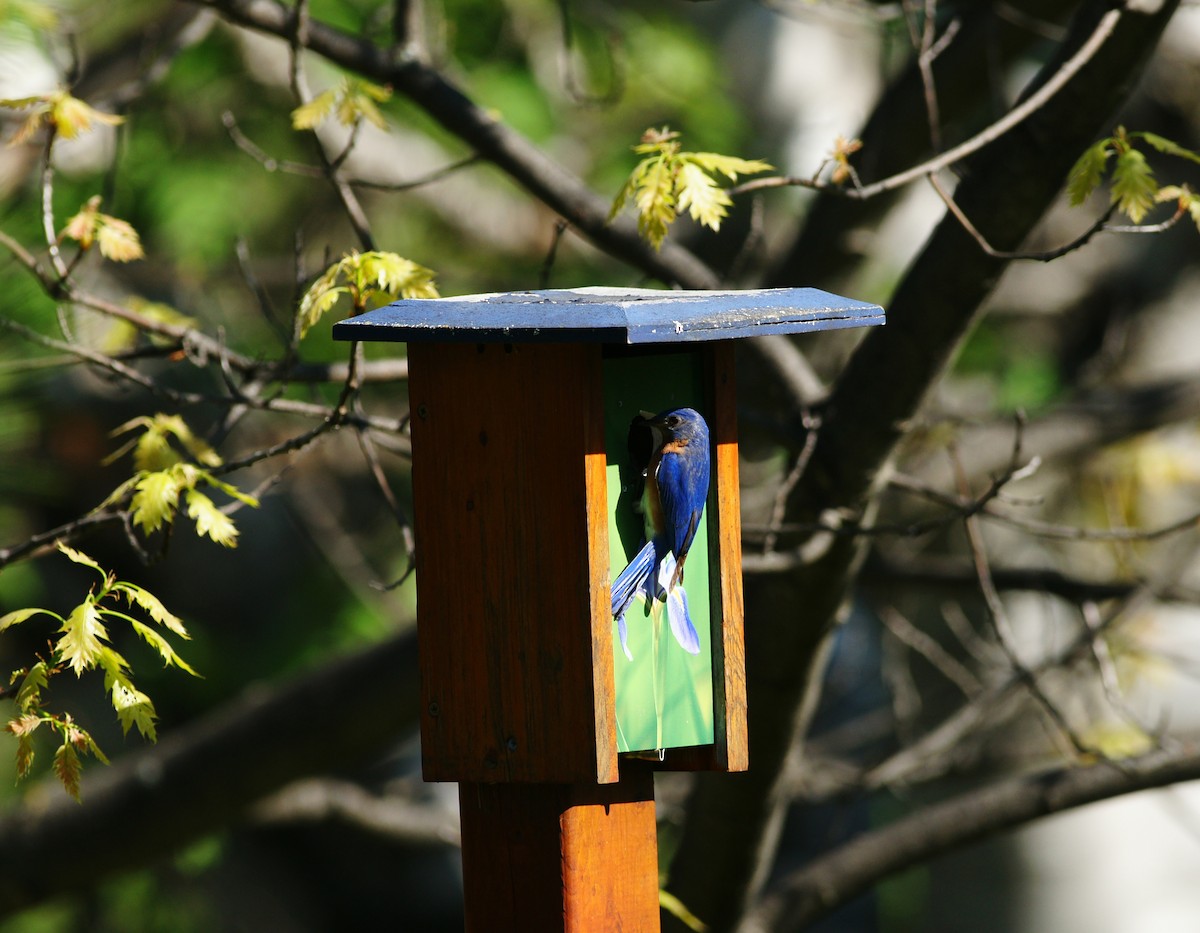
x: 533, y: 432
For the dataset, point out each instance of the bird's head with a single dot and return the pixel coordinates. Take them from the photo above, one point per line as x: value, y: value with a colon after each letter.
x: 682, y: 425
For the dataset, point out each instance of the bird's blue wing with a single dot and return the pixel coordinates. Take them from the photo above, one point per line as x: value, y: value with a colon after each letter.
x: 682, y: 480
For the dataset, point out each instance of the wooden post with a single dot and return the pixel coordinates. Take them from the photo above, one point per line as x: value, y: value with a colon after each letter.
x: 578, y: 858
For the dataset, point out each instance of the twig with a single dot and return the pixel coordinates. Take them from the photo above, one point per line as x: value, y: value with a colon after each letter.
x: 998, y: 617
x: 1018, y: 114
x: 268, y: 162
x: 560, y: 227
x: 931, y: 650
x: 812, y: 425
x: 484, y: 134
x: 1101, y: 225
x: 298, y: 40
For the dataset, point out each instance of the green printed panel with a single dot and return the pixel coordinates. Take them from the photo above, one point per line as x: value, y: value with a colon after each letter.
x: 664, y: 694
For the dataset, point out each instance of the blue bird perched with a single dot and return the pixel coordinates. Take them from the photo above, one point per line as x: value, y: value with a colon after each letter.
x: 676, y: 488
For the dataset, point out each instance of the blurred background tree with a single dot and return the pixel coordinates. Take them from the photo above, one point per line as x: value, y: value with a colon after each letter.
x: 971, y: 595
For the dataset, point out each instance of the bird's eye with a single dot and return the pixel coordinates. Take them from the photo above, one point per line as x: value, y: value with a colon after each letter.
x: 673, y: 421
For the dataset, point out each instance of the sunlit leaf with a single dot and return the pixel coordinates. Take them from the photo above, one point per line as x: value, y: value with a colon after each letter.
x: 1133, y: 185
x: 118, y: 240
x: 674, y: 906
x: 231, y: 491
x: 69, y: 116
x: 668, y: 181
x: 365, y: 277
x: 153, y: 607
x: 210, y: 521
x: 701, y: 196
x: 81, y: 637
x: 72, y: 116
x: 82, y: 225
x: 655, y: 201
x: 730, y: 166
x: 79, y: 557
x: 309, y: 115
x: 352, y: 100
x: 155, y: 500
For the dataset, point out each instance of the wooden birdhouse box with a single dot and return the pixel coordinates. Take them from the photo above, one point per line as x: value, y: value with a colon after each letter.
x: 529, y: 449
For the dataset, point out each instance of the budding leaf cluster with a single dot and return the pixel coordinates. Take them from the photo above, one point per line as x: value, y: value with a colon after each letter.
x: 669, y: 180
x: 67, y: 116
x: 364, y: 278
x: 82, y: 643
x: 350, y: 101
x: 116, y: 238
x: 172, y: 464
x: 1132, y: 185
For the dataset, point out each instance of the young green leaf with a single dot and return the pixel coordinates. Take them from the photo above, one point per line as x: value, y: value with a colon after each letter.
x: 29, y: 694
x: 134, y: 708
x: 69, y: 116
x: 364, y: 277
x: 152, y: 449
x: 118, y: 240
x: 310, y: 115
x: 156, y: 641
x: 17, y: 616
x: 1087, y: 171
x: 668, y: 181
x: 655, y: 200
x: 1133, y: 185
x: 1168, y: 146
x: 79, y: 557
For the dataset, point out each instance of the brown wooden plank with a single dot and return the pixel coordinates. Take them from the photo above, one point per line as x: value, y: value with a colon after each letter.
x: 578, y: 858
x: 509, y: 535
x: 731, y: 745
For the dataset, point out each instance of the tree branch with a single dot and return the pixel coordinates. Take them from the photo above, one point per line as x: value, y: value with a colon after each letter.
x: 487, y: 136
x: 833, y: 879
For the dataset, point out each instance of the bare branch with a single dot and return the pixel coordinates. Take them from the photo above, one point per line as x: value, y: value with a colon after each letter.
x: 391, y: 816
x: 836, y: 877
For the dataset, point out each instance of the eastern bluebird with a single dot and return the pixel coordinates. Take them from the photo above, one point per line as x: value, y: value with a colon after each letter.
x: 672, y: 502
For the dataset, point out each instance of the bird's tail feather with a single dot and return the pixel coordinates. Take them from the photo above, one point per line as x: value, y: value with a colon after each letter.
x: 632, y: 579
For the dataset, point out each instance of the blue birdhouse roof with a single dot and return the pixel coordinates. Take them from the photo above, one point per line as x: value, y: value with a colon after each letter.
x: 609, y: 315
